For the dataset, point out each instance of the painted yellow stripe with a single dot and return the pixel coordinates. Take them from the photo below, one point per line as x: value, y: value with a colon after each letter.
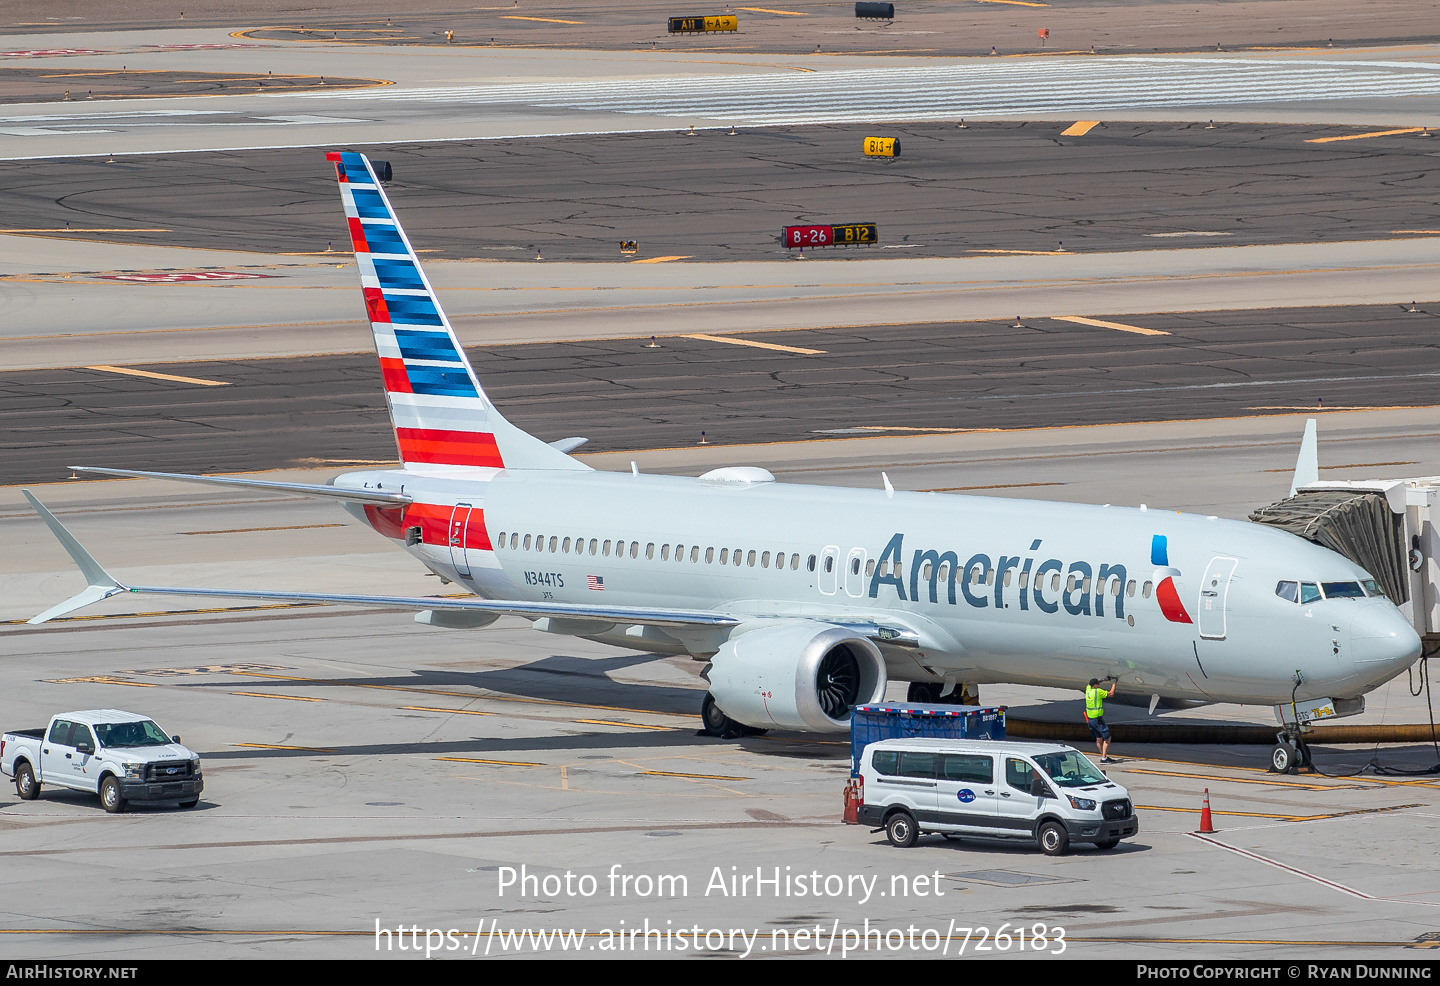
x: 704, y: 777
x: 252, y: 530
x: 458, y: 712
x: 1079, y: 128
x: 1375, y: 133
x: 1423, y: 232
x: 1109, y: 325
x: 612, y: 722
x: 660, y: 260
x: 497, y: 763
x: 292, y: 698
x: 1027, y: 253
x: 1017, y: 3
x: 276, y: 746
x: 1215, y: 778
x: 731, y: 340
x: 127, y: 371
x: 82, y: 229
x: 543, y: 20
x: 767, y: 10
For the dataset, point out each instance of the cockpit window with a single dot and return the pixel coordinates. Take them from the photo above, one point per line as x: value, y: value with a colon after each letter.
x: 1309, y: 593
x: 1343, y: 590
x: 1288, y: 591
x: 1372, y: 588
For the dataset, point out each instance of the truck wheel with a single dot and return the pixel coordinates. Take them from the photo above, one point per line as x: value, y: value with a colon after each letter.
x: 110, y: 796
x: 25, y: 785
x: 1053, y: 839
x: 901, y: 831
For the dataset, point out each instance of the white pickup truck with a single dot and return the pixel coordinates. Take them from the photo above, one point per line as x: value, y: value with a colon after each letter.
x: 118, y: 755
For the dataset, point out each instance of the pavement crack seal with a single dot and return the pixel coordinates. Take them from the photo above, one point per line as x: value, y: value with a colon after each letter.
x: 1303, y: 874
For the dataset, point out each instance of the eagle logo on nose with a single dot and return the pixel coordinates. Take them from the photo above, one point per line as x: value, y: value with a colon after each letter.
x: 1165, y: 592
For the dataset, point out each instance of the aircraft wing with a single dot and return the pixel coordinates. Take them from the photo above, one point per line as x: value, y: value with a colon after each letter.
x: 301, y: 489
x: 103, y: 585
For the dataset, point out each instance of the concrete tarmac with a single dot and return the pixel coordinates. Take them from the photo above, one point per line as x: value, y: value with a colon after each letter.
x: 360, y: 768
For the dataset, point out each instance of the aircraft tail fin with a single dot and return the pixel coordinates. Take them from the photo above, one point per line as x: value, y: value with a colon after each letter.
x: 1307, y: 464
x: 439, y: 411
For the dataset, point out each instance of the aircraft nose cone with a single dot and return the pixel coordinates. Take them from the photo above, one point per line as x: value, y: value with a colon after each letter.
x: 1383, y: 637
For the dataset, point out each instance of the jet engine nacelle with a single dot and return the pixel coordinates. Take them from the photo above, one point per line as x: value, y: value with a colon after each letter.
x: 802, y: 675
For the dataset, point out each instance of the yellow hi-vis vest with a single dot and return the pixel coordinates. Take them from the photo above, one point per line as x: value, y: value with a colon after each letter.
x: 1094, y: 702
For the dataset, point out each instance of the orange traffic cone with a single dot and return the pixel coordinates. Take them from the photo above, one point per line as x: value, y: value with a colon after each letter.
x: 1205, y: 824
x: 853, y: 800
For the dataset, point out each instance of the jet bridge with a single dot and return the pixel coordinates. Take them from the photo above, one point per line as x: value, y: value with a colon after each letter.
x: 1386, y: 526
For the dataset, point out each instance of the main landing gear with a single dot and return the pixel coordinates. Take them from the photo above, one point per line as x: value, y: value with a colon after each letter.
x: 930, y: 693
x: 1290, y: 752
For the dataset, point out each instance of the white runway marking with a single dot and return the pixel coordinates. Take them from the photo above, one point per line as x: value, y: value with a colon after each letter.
x: 947, y: 91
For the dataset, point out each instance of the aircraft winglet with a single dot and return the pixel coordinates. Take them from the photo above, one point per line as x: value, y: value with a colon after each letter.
x: 1307, y: 466
x: 102, y: 584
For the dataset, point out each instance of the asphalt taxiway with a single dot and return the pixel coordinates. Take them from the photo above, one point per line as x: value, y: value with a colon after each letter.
x: 250, y: 414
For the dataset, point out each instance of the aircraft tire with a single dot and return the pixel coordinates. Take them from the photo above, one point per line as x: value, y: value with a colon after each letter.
x: 1283, y: 759
x: 717, y: 723
x: 925, y: 692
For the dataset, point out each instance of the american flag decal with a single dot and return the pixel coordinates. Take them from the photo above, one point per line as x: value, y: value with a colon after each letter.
x: 595, y: 582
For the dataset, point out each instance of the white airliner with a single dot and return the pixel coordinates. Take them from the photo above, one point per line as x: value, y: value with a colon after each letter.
x: 806, y: 600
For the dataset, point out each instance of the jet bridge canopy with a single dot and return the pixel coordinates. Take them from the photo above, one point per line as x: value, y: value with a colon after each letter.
x: 1358, y: 524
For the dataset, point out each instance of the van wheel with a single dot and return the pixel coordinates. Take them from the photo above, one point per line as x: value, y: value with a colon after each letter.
x: 901, y: 830
x: 25, y: 785
x: 110, y: 796
x: 1053, y: 839
x: 1107, y: 843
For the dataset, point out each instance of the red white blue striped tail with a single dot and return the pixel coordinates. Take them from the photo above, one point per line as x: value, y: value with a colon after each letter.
x: 441, y: 416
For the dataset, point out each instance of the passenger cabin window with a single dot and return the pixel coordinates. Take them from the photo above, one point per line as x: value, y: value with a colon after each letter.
x: 765, y: 560
x: 969, y: 767
x: 709, y: 556
x: 795, y: 563
x: 829, y: 563
x: 1309, y: 593
x: 554, y: 544
x: 695, y: 554
x: 750, y: 558
x: 735, y: 557
x: 1018, y: 773
x: 1145, y: 592
x: 870, y: 568
x: 527, y: 542
x: 811, y: 563
x: 1288, y: 591
x: 915, y: 764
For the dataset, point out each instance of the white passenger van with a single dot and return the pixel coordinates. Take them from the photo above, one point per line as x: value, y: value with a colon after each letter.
x: 993, y: 789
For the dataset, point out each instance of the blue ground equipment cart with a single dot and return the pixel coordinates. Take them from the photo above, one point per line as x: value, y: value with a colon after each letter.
x: 900, y: 720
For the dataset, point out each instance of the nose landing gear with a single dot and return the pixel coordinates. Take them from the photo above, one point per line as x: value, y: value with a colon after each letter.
x: 1290, y: 752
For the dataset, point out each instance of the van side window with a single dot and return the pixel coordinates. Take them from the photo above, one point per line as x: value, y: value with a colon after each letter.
x: 913, y: 764
x: 1018, y: 773
x: 885, y: 762
x: 975, y: 768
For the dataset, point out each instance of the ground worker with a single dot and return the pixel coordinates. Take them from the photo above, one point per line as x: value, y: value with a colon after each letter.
x: 1095, y: 695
